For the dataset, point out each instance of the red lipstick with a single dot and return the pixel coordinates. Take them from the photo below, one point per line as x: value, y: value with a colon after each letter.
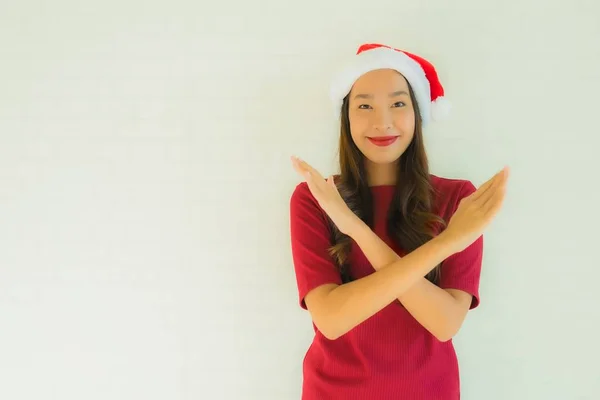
x: 382, y: 140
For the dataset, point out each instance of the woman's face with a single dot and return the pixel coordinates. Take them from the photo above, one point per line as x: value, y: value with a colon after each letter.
x: 382, y: 116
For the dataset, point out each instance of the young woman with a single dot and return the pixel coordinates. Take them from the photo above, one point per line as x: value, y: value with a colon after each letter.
x: 387, y: 256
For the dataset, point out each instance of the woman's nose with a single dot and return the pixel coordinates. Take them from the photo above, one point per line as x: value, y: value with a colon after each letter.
x: 383, y: 122
x: 383, y: 128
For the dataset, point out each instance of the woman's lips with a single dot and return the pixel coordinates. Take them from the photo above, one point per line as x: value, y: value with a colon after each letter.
x: 382, y: 140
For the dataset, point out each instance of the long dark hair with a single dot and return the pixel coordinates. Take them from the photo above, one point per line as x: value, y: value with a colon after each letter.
x: 411, y: 220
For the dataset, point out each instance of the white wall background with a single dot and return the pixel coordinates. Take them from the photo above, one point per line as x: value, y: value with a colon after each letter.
x: 145, y: 181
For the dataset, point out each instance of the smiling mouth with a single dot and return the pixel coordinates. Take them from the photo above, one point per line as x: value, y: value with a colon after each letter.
x: 382, y: 140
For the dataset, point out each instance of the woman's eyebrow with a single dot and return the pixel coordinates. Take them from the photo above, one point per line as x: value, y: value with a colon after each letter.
x: 370, y: 96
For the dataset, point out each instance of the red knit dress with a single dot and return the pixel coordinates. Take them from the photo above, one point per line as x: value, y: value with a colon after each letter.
x: 390, y: 355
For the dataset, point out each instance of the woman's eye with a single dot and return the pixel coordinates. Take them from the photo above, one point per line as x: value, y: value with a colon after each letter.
x: 366, y: 106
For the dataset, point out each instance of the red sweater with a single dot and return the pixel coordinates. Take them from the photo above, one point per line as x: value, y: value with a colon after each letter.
x: 390, y: 355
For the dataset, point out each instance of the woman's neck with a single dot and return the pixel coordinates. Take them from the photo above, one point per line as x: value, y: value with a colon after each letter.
x: 381, y: 174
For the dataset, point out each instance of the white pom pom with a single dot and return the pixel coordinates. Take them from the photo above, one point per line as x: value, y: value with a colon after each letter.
x: 440, y: 109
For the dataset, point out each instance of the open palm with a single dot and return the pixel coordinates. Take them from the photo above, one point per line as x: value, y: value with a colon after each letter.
x: 327, y: 195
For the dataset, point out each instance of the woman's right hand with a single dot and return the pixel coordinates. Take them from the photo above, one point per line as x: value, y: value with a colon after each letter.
x: 476, y: 211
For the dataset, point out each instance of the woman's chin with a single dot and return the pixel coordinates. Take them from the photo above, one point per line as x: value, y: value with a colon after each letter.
x: 387, y: 157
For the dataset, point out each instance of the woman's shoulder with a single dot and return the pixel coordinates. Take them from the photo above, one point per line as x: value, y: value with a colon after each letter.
x: 302, y: 201
x: 301, y: 194
x: 449, y: 191
x: 446, y: 184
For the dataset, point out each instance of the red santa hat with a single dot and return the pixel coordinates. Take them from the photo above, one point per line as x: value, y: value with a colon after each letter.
x: 420, y: 74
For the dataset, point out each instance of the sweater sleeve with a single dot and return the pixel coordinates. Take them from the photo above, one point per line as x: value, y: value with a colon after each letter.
x: 310, y: 241
x: 462, y: 270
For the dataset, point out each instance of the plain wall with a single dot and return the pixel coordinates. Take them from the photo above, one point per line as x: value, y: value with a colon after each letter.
x: 145, y: 183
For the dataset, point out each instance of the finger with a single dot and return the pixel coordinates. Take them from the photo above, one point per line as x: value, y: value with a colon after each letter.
x: 312, y: 176
x: 316, y: 175
x: 489, y: 193
x: 497, y: 189
x: 494, y: 205
x: 503, y: 181
x: 314, y: 189
x: 309, y: 179
x: 331, y: 181
x: 483, y: 189
x: 299, y: 168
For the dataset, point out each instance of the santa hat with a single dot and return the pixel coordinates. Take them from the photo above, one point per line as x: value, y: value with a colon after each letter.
x: 419, y: 73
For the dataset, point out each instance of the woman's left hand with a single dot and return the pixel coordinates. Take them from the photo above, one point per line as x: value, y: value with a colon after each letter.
x: 326, y: 193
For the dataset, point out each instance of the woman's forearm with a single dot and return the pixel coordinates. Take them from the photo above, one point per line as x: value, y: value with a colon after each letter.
x: 350, y: 304
x: 434, y: 308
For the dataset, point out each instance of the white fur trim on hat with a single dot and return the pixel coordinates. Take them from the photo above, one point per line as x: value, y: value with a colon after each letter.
x: 385, y: 58
x: 440, y: 108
